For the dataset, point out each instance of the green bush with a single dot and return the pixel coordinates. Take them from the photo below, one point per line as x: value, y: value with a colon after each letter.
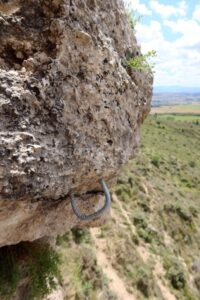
x: 156, y: 161
x: 184, y: 213
x: 177, y: 277
x: 144, y: 204
x: 144, y: 281
x: 139, y: 220
x: 140, y: 62
x: 133, y: 19
x: 37, y: 263
x: 135, y: 239
x: 42, y: 271
x: 90, y: 275
x: 145, y: 235
x: 148, y: 234
x: 9, y: 272
x: 192, y: 164
x: 144, y: 230
x: 175, y: 272
x: 81, y: 235
x: 180, y: 210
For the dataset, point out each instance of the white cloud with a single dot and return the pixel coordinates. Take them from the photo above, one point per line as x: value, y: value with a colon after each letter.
x: 178, y: 58
x: 176, y: 64
x: 166, y: 11
x: 182, y: 8
x: 196, y: 14
x: 150, y: 36
x: 136, y: 5
x: 189, y: 29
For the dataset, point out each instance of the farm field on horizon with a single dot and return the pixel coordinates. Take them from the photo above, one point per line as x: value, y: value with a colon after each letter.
x: 182, y: 112
x: 175, y: 99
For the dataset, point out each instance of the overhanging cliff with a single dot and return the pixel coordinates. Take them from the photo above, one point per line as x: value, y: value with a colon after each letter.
x: 70, y: 112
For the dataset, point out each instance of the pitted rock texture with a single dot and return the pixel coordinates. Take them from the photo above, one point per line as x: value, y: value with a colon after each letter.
x: 70, y: 112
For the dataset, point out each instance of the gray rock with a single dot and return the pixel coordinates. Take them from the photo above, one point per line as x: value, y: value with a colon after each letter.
x: 69, y: 111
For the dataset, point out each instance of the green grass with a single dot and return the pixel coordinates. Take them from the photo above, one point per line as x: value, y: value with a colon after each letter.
x: 192, y: 118
x: 184, y: 109
x: 81, y: 275
x: 9, y: 272
x: 190, y: 106
x: 33, y: 262
x: 42, y: 271
x: 160, y: 188
x: 159, y: 193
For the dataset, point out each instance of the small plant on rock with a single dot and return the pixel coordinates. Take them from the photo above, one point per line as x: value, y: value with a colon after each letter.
x: 141, y: 62
x: 133, y: 17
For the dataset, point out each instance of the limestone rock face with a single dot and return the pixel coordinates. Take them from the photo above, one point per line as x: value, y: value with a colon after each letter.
x: 69, y: 111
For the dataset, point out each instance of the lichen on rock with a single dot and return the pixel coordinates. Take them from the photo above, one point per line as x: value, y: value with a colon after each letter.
x: 70, y: 112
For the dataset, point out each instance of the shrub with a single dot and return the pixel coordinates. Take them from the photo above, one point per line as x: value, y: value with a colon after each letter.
x: 89, y: 275
x: 81, y: 235
x: 156, y: 161
x: 42, y: 272
x: 135, y: 239
x: 175, y: 272
x: 181, y: 211
x: 184, y: 214
x: 144, y: 281
x: 140, y: 62
x: 144, y: 230
x: 192, y: 164
x: 140, y: 221
x: 145, y: 235
x: 133, y: 19
x: 132, y: 16
x: 148, y: 234
x: 177, y: 277
x: 9, y: 272
x: 38, y: 263
x: 144, y: 205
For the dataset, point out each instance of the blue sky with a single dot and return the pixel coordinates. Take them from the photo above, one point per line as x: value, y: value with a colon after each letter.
x: 172, y: 28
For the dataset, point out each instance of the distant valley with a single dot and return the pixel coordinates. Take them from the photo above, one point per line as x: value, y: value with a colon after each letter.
x: 168, y: 99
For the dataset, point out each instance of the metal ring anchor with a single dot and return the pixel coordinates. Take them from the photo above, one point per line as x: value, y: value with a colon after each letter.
x: 96, y: 214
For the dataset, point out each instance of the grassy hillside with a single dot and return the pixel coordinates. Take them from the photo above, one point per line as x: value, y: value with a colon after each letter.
x: 192, y: 118
x: 160, y: 191
x: 151, y: 247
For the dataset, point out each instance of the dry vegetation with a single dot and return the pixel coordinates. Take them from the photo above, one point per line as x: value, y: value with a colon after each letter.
x: 177, y: 109
x: 153, y: 241
x: 151, y: 247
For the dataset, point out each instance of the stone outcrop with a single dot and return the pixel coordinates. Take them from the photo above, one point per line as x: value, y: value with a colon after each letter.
x: 70, y: 112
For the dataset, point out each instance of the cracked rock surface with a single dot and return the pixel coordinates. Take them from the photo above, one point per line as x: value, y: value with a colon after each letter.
x: 70, y: 112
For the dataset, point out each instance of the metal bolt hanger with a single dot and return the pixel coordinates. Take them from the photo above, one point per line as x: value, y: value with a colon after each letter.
x: 96, y: 214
